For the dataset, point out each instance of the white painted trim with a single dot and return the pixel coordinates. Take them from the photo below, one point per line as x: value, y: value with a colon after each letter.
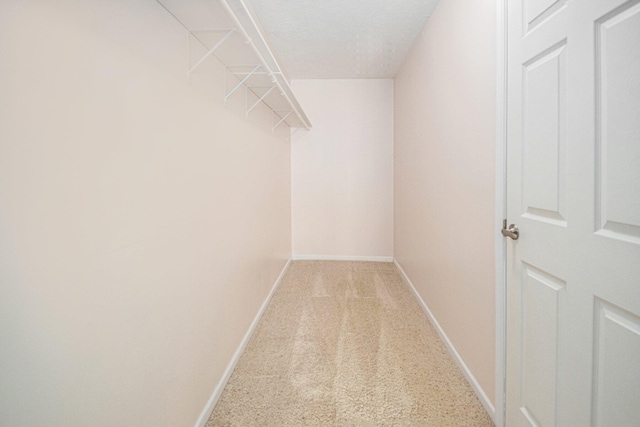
x: 501, y: 209
x: 488, y: 406
x: 217, y: 391
x: 342, y: 258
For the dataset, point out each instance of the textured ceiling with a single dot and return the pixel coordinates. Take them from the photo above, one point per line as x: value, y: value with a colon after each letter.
x: 342, y: 39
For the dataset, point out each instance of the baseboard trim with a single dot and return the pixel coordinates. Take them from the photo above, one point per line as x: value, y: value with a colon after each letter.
x: 341, y: 258
x: 486, y: 402
x: 217, y: 392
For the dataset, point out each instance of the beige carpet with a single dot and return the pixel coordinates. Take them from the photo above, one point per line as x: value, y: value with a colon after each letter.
x: 346, y: 344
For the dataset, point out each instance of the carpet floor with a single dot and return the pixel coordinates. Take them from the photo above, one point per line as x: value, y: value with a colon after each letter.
x: 346, y: 344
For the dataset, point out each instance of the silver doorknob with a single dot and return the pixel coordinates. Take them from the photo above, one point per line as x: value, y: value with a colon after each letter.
x: 512, y: 231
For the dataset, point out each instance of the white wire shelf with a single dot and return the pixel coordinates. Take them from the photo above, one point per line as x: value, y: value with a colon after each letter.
x: 229, y: 31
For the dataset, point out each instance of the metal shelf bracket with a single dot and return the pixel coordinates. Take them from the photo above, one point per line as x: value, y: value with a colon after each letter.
x: 213, y: 49
x: 282, y: 119
x: 260, y: 100
x: 241, y: 82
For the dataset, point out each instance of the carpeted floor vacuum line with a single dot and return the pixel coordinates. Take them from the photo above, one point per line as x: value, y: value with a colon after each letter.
x: 346, y: 344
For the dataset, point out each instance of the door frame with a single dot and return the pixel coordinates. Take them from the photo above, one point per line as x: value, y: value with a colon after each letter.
x: 501, y: 208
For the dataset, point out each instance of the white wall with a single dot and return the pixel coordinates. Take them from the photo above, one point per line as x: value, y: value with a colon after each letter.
x: 142, y: 224
x: 342, y: 169
x: 444, y: 176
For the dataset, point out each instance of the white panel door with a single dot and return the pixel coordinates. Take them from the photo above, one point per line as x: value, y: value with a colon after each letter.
x: 573, y: 188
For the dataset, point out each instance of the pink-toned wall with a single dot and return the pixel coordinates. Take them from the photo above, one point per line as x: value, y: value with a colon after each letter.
x: 444, y: 176
x: 342, y: 170
x: 142, y: 222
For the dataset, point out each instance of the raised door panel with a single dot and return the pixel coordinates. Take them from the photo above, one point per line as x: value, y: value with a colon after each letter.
x: 544, y: 136
x: 542, y: 298
x: 618, y: 123
x: 616, y: 375
x: 538, y: 11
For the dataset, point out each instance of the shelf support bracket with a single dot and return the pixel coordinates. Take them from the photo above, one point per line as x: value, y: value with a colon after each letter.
x: 281, y: 120
x: 210, y: 51
x: 260, y: 100
x: 249, y: 74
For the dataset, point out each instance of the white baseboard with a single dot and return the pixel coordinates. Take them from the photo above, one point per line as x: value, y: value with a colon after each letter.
x: 217, y: 392
x: 342, y: 258
x: 486, y: 402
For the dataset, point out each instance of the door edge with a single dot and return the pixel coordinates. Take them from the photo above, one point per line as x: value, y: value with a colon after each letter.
x: 501, y: 208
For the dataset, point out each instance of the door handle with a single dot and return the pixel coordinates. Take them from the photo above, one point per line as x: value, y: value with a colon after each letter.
x: 512, y: 231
